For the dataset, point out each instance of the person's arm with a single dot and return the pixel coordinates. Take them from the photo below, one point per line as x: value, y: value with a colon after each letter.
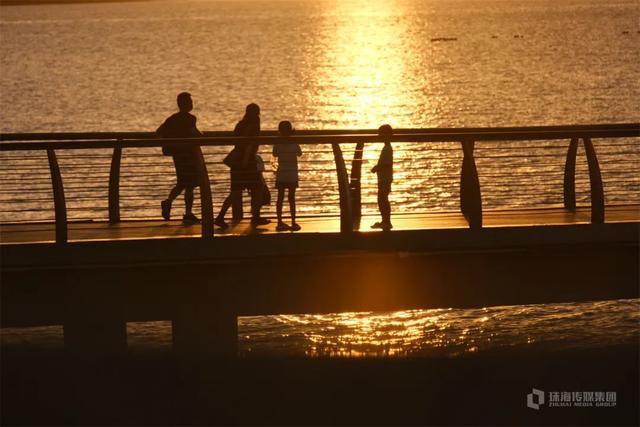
x: 377, y: 166
x: 194, y: 130
x: 299, y: 152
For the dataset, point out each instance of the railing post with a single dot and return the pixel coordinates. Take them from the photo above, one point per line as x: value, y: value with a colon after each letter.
x: 355, y: 185
x: 114, y: 184
x: 206, y: 199
x: 570, y: 176
x: 346, y: 215
x: 595, y: 182
x: 59, y: 202
x: 470, y: 195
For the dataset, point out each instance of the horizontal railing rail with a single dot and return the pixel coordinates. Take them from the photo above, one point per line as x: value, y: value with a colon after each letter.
x: 494, y: 135
x: 349, y: 187
x: 70, y: 136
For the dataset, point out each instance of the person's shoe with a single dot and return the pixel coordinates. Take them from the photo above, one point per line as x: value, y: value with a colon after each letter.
x: 282, y: 227
x: 221, y: 223
x: 295, y: 227
x: 166, y: 209
x: 190, y: 219
x: 259, y: 221
x: 382, y: 225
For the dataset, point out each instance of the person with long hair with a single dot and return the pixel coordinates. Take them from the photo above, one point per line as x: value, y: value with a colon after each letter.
x: 287, y: 176
x: 242, y: 161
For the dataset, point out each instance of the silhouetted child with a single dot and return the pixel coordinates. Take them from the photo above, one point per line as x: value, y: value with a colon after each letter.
x: 384, y: 169
x: 182, y: 125
x: 287, y: 175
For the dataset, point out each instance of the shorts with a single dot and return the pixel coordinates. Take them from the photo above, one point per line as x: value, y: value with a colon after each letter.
x: 281, y: 185
x: 186, y: 170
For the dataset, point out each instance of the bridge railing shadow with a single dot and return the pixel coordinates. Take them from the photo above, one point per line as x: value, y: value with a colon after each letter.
x: 120, y: 176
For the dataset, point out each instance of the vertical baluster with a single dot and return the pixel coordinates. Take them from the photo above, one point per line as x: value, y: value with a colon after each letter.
x: 206, y: 199
x: 595, y: 182
x: 114, y: 184
x: 346, y: 215
x: 355, y: 185
x: 59, y: 202
x: 570, y: 176
x: 470, y: 196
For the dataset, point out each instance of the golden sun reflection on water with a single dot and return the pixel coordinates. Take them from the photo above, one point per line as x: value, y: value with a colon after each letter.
x: 443, y: 332
x: 371, y: 334
x: 373, y: 62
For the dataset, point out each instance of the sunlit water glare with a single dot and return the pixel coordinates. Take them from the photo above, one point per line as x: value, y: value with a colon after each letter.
x: 411, y: 333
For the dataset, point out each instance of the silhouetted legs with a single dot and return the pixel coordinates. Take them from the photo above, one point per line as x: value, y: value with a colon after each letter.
x: 175, y: 192
x: 233, y: 196
x: 257, y: 200
x: 384, y: 188
x: 188, y: 202
x: 292, y: 209
x: 281, y: 225
x: 385, y: 207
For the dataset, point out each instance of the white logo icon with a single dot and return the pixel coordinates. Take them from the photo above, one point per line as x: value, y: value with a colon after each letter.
x: 535, y: 399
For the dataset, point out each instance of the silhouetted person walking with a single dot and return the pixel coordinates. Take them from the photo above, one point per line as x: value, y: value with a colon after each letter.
x: 384, y: 169
x: 244, y: 169
x: 181, y: 125
x: 287, y: 176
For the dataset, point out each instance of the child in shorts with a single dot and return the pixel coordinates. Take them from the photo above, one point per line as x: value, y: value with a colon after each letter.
x: 286, y: 176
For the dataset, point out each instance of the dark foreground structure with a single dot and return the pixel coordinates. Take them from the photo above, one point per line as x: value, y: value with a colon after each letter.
x: 94, y: 279
x: 158, y: 389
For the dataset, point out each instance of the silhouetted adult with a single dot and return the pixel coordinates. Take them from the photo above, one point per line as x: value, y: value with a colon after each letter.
x: 244, y: 170
x: 181, y: 125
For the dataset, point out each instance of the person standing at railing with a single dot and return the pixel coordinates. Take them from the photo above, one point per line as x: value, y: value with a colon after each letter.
x: 244, y: 171
x: 384, y: 170
x: 287, y: 176
x: 182, y: 125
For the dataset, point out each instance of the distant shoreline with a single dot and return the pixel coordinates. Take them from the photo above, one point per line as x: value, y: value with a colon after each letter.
x: 43, y: 2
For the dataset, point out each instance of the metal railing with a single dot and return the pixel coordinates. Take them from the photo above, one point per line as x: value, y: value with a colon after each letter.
x: 349, y: 185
